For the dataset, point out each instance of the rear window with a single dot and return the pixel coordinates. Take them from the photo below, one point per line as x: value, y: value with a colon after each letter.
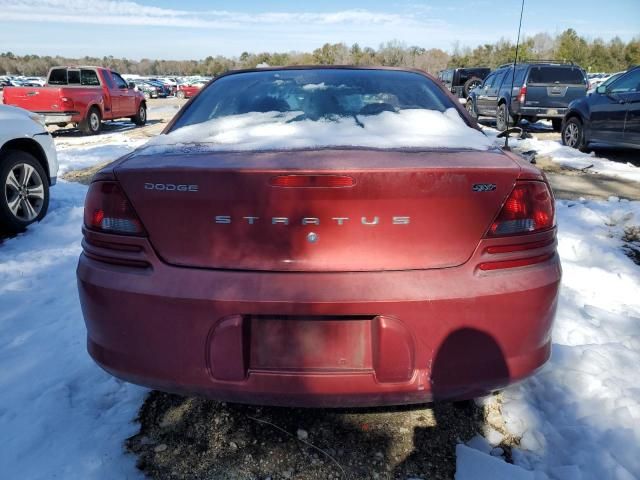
x: 565, y: 75
x: 315, y: 94
x: 73, y: 77
x: 63, y: 76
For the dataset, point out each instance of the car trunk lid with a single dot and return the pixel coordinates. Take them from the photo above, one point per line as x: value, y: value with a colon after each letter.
x: 405, y: 210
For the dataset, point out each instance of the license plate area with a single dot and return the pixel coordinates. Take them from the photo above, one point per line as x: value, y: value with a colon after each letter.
x: 310, y: 343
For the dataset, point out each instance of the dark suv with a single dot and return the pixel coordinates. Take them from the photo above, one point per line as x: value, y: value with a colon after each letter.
x: 460, y: 81
x: 541, y: 89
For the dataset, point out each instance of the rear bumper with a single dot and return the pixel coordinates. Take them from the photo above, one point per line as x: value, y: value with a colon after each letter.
x: 318, y: 339
x: 543, y: 112
x: 53, y: 118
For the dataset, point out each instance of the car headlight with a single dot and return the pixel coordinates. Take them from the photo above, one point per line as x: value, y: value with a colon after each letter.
x: 39, y: 119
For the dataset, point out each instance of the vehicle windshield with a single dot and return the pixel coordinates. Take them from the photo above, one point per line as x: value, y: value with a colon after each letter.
x: 315, y: 94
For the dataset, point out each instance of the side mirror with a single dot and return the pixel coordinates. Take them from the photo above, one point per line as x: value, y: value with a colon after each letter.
x: 132, y: 86
x: 602, y: 89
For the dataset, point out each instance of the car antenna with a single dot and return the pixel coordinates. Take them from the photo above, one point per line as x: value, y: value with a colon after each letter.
x: 513, y: 75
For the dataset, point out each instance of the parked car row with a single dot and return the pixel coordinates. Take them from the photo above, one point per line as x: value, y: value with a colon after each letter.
x: 599, y: 108
x: 20, y: 81
x: 162, y: 87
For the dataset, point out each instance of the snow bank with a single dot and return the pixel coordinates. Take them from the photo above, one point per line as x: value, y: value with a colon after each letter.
x: 570, y: 157
x: 472, y: 464
x: 77, y: 153
x: 60, y: 415
x: 580, y: 417
x: 279, y: 131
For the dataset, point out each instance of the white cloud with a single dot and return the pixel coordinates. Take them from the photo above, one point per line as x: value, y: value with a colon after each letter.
x: 133, y: 13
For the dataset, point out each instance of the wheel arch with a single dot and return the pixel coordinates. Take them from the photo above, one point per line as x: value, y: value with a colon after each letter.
x: 575, y: 113
x: 98, y: 106
x: 29, y: 146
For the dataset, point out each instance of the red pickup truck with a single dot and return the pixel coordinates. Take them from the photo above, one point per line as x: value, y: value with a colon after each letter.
x: 84, y: 96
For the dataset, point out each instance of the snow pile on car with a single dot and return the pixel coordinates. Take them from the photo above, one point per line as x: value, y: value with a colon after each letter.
x: 285, y: 131
x: 579, y: 418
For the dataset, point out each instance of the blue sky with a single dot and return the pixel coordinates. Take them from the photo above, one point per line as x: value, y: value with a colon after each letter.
x: 196, y: 29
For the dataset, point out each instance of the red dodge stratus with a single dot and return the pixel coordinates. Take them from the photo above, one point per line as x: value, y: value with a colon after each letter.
x: 320, y: 237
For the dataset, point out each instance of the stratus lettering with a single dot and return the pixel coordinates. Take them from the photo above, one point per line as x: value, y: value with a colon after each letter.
x: 368, y: 221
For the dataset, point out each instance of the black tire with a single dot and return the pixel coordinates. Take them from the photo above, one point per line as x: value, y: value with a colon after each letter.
x: 572, y: 134
x: 470, y: 106
x: 140, y: 118
x: 504, y: 119
x: 181, y: 95
x: 27, y: 185
x: 469, y: 85
x: 556, y: 124
x: 93, y: 123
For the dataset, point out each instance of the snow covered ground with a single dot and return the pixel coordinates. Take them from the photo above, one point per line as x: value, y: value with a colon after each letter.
x: 82, y: 152
x: 579, y: 418
x: 61, y: 416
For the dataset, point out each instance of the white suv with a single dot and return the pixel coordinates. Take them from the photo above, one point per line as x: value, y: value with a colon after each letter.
x: 28, y: 167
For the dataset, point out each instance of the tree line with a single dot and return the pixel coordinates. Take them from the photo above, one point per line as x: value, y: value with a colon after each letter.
x: 594, y: 55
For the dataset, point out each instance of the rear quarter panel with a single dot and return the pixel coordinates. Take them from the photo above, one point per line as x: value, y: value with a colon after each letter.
x: 85, y: 97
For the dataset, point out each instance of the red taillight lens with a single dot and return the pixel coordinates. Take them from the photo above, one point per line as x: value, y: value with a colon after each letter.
x: 310, y: 181
x: 523, y: 94
x: 529, y: 208
x: 107, y: 209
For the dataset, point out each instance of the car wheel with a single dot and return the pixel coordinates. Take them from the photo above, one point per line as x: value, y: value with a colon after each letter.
x: 181, y: 95
x: 471, y: 108
x: 556, y: 124
x: 573, y: 134
x: 141, y: 117
x: 93, y: 123
x: 24, y: 191
x: 504, y: 119
x: 469, y: 85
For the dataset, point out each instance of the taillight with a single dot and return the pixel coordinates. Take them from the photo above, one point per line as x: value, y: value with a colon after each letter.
x: 67, y: 102
x: 107, y: 209
x: 528, y: 209
x: 523, y: 94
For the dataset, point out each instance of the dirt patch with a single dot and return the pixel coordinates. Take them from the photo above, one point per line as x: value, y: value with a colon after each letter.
x: 570, y: 183
x: 191, y: 437
x: 84, y: 175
